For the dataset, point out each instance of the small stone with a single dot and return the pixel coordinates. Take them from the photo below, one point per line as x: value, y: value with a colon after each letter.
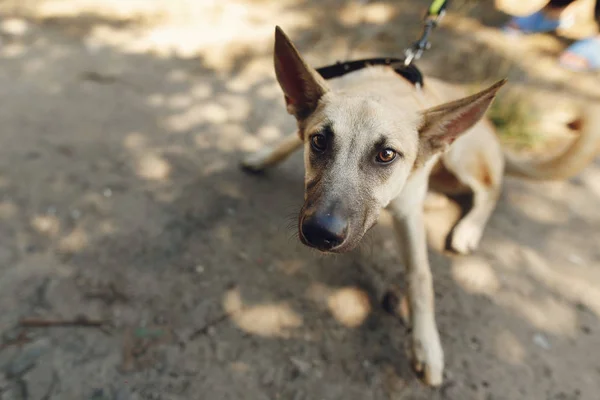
x: 27, y: 358
x: 475, y: 344
x: 586, y: 329
x: 200, y: 269
x: 107, y: 192
x: 268, y: 377
x: 75, y: 214
x: 575, y: 259
x: 541, y: 341
x: 303, y: 366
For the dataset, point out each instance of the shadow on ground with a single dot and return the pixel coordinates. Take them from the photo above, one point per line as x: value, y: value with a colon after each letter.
x: 121, y: 200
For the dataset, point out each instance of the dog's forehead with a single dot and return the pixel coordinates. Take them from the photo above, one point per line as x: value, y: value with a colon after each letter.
x: 370, y: 118
x: 350, y: 113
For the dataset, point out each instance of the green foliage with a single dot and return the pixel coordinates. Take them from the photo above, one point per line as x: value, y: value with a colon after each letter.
x: 514, y: 122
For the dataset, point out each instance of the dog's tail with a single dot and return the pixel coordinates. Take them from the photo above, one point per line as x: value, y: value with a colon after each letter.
x: 571, y: 161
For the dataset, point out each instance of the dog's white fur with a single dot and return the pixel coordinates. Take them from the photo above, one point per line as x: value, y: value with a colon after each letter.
x: 377, y: 101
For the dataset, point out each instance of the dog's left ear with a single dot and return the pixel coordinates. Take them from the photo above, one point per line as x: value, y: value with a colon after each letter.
x: 442, y: 125
x: 302, y: 86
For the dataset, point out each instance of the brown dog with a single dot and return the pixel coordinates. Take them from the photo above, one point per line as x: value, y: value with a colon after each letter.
x: 373, y: 141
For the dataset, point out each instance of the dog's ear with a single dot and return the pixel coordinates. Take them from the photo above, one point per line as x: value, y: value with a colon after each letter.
x: 442, y: 125
x: 301, y: 85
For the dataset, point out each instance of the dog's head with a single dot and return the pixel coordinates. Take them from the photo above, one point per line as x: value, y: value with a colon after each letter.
x: 360, y: 147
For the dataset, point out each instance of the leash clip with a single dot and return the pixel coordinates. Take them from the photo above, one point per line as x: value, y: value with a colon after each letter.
x: 434, y: 14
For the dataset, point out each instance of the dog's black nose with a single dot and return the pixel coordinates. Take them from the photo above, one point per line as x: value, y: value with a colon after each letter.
x: 324, y: 231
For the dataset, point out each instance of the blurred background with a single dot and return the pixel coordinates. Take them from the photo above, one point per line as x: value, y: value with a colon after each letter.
x: 138, y: 262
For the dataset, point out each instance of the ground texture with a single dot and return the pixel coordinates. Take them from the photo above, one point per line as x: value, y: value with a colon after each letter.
x: 122, y: 126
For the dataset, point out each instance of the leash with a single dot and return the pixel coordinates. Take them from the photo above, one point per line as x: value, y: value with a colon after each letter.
x: 403, y: 67
x: 434, y: 15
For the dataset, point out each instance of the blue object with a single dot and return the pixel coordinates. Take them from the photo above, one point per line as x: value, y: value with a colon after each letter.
x: 587, y: 49
x: 534, y: 23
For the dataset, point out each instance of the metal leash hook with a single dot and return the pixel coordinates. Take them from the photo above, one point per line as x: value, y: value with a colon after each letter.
x: 435, y: 13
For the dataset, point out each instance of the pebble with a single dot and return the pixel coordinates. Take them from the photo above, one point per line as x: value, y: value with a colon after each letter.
x: 575, y: 259
x: 586, y: 329
x: 269, y: 377
x: 541, y: 341
x: 303, y: 366
x: 75, y: 214
x: 107, y: 192
x: 27, y: 358
x: 475, y: 344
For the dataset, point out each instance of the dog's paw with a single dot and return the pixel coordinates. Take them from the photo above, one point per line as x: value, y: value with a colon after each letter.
x: 428, y: 356
x: 466, y: 237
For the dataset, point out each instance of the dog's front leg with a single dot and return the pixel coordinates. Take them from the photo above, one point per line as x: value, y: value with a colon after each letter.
x: 407, y: 211
x: 272, y: 155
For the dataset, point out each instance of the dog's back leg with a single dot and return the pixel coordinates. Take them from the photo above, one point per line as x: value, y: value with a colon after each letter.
x: 468, y: 231
x: 272, y: 155
x: 484, y: 181
x: 474, y: 163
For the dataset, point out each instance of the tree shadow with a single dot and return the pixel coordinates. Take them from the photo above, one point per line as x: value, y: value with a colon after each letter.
x: 122, y: 199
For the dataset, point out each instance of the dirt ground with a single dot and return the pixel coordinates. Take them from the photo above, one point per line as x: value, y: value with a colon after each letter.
x: 121, y: 201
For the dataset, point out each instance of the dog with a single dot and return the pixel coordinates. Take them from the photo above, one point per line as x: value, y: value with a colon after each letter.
x: 372, y: 141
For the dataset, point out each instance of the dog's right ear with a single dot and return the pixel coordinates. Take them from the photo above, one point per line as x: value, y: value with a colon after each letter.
x: 301, y: 84
x: 442, y: 125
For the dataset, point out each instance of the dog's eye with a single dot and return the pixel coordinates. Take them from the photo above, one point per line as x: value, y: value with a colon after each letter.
x: 318, y: 142
x: 386, y: 156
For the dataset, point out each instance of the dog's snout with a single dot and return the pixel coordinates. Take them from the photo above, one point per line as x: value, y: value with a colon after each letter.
x: 324, y: 231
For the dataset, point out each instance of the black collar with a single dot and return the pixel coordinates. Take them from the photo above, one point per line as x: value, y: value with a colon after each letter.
x: 410, y: 72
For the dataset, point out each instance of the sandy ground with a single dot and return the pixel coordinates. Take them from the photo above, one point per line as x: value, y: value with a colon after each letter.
x: 122, y: 125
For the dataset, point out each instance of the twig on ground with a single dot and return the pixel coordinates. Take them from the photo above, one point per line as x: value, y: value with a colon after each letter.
x: 80, y: 321
x: 204, y: 329
x: 20, y: 340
